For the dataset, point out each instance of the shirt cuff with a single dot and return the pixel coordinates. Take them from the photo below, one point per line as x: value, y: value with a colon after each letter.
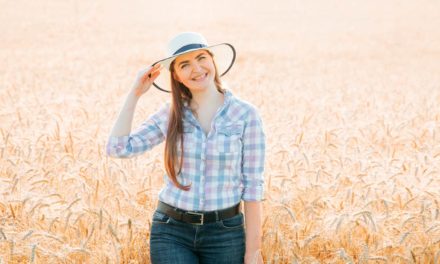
x: 116, y: 146
x: 253, y: 193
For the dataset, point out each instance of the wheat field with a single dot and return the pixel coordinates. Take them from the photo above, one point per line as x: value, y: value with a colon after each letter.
x: 349, y: 93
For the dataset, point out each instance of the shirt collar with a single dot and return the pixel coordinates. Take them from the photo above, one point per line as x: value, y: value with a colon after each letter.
x: 187, y: 110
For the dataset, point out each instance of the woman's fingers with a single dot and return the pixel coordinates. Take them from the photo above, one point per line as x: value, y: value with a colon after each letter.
x: 155, y: 70
x: 154, y: 75
x: 146, y: 73
x: 145, y: 78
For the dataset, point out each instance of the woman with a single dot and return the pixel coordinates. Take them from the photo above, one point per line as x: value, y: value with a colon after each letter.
x: 214, y: 157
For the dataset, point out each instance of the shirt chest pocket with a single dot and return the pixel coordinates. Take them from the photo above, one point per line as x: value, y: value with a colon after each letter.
x: 229, y: 137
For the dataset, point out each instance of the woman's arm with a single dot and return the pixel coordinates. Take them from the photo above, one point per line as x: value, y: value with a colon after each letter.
x: 254, y: 149
x: 141, y: 85
x: 253, y: 221
x: 122, y: 126
x: 121, y: 142
x: 149, y: 134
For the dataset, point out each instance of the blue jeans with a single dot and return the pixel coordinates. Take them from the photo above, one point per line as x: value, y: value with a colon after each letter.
x: 177, y: 242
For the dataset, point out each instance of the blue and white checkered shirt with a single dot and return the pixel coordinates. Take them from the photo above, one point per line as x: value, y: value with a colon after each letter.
x: 224, y: 167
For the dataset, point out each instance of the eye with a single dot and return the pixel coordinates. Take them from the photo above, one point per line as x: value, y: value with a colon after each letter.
x: 202, y: 57
x: 183, y: 66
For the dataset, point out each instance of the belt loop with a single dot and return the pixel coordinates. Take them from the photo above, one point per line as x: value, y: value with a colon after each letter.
x: 216, y: 216
x: 180, y: 214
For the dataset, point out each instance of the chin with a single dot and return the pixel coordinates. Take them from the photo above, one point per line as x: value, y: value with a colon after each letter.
x: 198, y: 89
x: 201, y: 87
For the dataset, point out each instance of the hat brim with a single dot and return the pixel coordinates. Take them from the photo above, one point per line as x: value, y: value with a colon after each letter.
x: 224, y: 56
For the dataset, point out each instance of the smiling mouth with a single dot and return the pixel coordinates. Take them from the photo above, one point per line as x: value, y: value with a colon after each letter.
x: 200, y: 77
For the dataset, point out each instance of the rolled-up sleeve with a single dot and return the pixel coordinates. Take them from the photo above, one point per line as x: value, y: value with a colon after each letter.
x: 254, y: 151
x: 145, y: 137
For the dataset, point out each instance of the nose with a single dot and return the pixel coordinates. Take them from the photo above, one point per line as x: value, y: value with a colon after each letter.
x: 196, y: 67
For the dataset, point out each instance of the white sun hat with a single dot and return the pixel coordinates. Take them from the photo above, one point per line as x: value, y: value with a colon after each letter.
x: 224, y: 56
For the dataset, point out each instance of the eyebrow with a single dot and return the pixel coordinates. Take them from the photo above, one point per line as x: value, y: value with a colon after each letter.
x: 186, y: 61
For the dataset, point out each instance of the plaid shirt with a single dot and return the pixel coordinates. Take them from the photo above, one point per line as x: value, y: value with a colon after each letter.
x: 224, y: 167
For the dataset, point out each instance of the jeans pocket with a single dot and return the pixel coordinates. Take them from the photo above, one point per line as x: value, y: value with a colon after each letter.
x: 160, y: 218
x: 234, y: 222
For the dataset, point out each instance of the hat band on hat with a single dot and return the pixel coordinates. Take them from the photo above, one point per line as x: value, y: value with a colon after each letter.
x: 188, y: 47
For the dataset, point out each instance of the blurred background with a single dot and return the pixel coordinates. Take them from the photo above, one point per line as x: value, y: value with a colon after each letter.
x: 348, y: 92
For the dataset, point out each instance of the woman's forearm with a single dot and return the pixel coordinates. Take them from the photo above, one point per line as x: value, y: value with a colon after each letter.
x: 253, y: 221
x: 122, y: 126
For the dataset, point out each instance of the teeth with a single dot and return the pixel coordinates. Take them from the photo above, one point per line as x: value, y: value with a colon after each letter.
x: 199, y: 77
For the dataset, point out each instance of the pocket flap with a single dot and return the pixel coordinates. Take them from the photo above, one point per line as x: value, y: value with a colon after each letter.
x: 230, y: 129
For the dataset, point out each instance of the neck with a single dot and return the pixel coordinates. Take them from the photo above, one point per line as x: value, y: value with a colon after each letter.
x: 206, y: 97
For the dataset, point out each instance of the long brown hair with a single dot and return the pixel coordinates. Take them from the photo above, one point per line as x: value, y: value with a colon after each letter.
x: 180, y: 94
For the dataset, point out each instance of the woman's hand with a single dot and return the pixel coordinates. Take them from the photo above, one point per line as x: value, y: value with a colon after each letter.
x: 254, y: 257
x: 145, y: 79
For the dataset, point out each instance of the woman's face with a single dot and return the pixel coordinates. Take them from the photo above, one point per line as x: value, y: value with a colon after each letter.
x: 195, y: 70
